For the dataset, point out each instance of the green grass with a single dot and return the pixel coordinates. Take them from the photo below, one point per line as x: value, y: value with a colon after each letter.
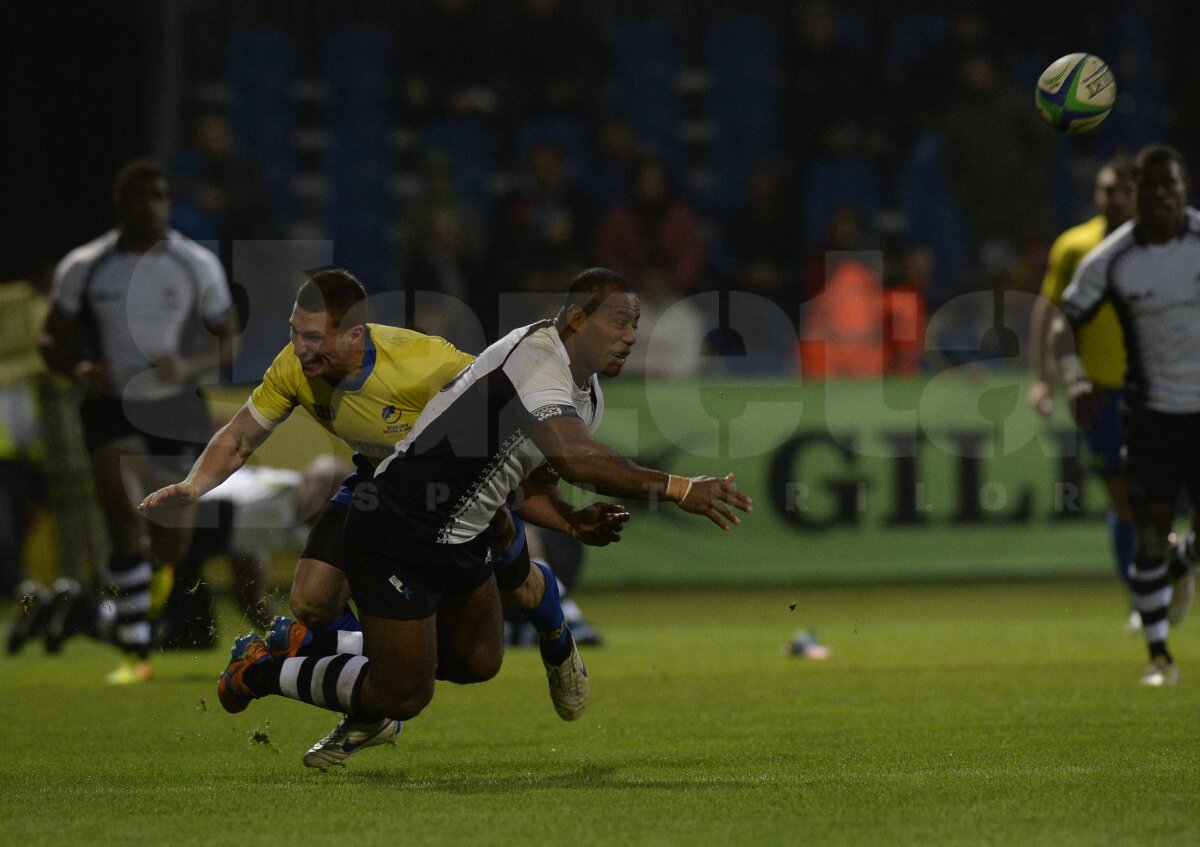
x: 954, y: 714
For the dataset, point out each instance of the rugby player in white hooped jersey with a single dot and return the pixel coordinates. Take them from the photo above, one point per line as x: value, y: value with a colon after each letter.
x: 1149, y: 269
x: 139, y: 317
x: 415, y: 540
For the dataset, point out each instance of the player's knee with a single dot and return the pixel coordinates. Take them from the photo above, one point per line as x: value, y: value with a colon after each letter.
x: 313, y: 612
x: 479, y: 665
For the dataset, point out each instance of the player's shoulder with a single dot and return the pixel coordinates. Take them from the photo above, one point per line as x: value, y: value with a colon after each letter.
x: 388, y: 338
x: 194, y: 254
x: 539, y: 343
x: 86, y: 255
x: 394, y: 341
x: 541, y: 338
x: 1113, y: 245
x: 1193, y: 221
x: 1082, y: 238
x: 285, y: 367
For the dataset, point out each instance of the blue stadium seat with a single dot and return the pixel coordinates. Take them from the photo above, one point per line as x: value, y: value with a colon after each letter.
x: 743, y: 58
x: 831, y: 184
x: 260, y: 70
x: 647, y: 64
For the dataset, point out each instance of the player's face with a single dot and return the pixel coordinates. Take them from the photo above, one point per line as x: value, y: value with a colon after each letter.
x: 322, y: 351
x: 145, y: 208
x: 608, y: 335
x: 1114, y: 196
x: 1161, y: 195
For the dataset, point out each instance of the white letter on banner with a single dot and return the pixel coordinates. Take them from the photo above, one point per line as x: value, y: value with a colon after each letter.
x: 759, y: 425
x: 982, y: 395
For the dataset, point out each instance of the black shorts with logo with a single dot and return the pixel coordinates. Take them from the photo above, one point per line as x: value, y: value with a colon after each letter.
x: 407, y: 581
x: 1162, y: 454
x: 173, y: 426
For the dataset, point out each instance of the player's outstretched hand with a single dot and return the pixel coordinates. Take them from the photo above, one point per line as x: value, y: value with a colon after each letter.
x: 716, y: 499
x: 599, y: 524
x: 1041, y: 397
x: 172, y: 497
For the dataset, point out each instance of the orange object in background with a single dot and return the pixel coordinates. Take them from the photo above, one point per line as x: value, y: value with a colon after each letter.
x: 843, y: 331
x: 905, y: 319
x: 856, y: 328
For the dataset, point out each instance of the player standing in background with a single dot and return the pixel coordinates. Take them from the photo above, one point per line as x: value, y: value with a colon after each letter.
x: 415, y: 543
x: 138, y: 318
x: 1149, y: 269
x: 1102, y: 352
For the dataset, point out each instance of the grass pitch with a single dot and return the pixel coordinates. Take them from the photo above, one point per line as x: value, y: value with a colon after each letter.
x: 951, y: 714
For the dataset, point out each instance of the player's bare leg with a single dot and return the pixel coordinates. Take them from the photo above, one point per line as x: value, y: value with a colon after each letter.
x: 320, y: 593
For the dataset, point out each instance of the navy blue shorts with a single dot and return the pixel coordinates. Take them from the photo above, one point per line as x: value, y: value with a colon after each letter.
x: 1104, y: 437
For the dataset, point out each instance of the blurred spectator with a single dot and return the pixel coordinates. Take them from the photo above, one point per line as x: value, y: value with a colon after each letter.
x: 674, y: 326
x: 444, y: 265
x: 762, y: 238
x: 931, y: 80
x: 904, y: 309
x: 999, y: 159
x: 540, y: 237
x: 617, y: 153
x: 448, y: 60
x: 439, y: 193
x: 653, y: 228
x: 844, y: 327
x: 829, y: 78
x: 848, y: 233
x: 22, y: 486
x: 552, y: 58
x: 220, y: 195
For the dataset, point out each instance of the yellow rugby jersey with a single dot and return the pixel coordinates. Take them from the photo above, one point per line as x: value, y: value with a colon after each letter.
x: 1101, y: 342
x: 402, y: 370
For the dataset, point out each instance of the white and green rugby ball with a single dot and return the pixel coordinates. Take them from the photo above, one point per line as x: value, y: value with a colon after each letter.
x: 1076, y: 92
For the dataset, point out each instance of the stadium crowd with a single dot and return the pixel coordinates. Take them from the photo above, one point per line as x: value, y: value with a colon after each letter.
x: 474, y: 148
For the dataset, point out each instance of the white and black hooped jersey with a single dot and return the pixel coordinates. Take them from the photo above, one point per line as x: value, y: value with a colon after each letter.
x: 141, y: 306
x: 470, y: 448
x: 1156, y: 291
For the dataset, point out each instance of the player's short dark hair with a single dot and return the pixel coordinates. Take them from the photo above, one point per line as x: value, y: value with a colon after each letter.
x: 1152, y: 154
x: 134, y: 172
x: 1121, y: 165
x: 592, y: 287
x: 338, y: 294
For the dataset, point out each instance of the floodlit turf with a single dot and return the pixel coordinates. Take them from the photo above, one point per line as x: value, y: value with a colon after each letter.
x: 956, y: 714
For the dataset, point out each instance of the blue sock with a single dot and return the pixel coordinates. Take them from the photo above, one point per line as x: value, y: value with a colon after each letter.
x: 1122, y: 544
x: 554, y: 638
x: 347, y: 622
x: 509, y: 557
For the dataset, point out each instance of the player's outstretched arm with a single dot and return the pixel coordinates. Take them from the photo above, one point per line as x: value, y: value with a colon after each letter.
x: 1041, y: 356
x: 566, y: 443
x: 542, y: 505
x: 228, y: 450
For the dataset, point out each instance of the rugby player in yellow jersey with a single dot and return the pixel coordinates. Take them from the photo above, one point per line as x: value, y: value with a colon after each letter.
x: 366, y: 384
x: 1101, y: 350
